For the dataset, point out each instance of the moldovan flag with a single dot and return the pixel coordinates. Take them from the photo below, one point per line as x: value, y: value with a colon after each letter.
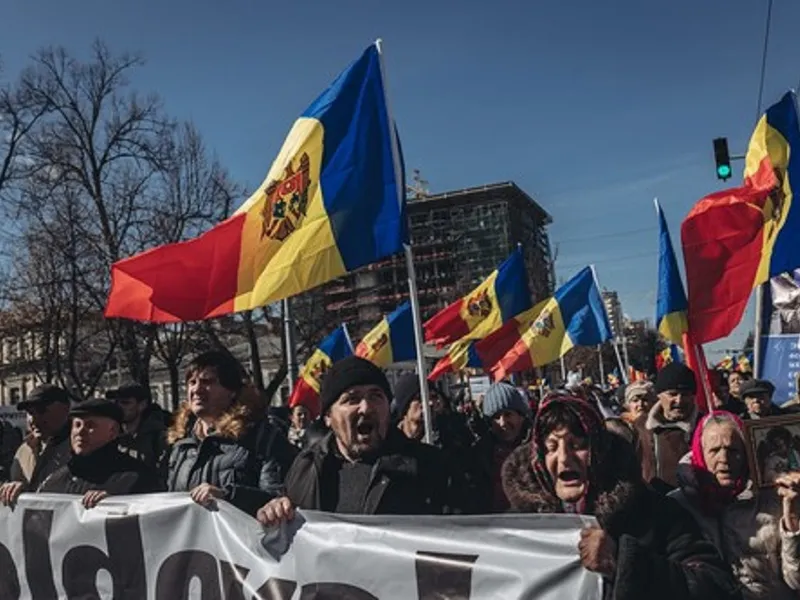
x: 736, y: 239
x: 501, y: 296
x: 391, y: 340
x: 671, y: 304
x: 328, y: 206
x: 333, y: 348
x: 668, y: 355
x: 573, y: 316
x: 460, y: 356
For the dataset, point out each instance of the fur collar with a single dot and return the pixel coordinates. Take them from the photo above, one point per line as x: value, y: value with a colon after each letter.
x: 656, y: 419
x: 619, y: 502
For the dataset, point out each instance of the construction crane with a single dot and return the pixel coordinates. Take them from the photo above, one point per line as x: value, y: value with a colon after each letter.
x: 418, y: 188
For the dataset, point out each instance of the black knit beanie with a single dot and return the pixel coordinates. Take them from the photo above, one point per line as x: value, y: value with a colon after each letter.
x: 405, y: 390
x: 347, y: 373
x: 676, y: 376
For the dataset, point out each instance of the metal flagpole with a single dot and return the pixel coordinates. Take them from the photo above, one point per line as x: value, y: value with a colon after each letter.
x: 291, y: 351
x: 623, y: 369
x: 625, y: 350
x: 563, y: 370
x: 759, y: 325
x: 412, y: 276
x: 602, y: 368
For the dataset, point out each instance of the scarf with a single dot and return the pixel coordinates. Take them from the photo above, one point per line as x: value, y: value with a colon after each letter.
x: 710, y: 496
x: 592, y: 427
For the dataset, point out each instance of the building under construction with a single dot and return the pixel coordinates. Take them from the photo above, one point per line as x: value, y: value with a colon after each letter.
x: 458, y: 239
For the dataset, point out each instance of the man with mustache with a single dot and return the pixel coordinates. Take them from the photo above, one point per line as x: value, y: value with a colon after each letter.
x: 670, y: 424
x: 363, y: 466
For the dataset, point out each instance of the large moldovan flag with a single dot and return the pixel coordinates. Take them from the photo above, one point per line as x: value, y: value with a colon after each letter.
x: 328, y: 206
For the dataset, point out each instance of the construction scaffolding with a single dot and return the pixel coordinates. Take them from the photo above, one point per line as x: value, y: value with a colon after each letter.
x: 458, y: 239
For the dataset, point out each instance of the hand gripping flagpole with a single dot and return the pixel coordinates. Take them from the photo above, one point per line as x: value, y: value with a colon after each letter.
x: 412, y: 276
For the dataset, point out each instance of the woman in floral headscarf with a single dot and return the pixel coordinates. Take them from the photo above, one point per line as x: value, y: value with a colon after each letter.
x: 646, y: 546
x: 755, y: 530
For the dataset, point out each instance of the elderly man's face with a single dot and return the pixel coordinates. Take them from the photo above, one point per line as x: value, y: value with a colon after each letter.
x: 677, y: 405
x: 758, y: 404
x: 91, y: 433
x: 359, y: 420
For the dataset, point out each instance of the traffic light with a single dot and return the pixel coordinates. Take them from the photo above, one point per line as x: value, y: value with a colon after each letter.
x: 723, y: 158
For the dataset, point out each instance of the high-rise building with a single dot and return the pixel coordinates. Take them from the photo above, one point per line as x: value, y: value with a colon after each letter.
x: 614, y: 311
x: 458, y: 238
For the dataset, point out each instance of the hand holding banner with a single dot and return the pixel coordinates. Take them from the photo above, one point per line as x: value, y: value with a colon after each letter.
x: 158, y: 546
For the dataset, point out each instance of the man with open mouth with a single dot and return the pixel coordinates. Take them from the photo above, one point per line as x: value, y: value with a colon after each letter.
x: 363, y: 466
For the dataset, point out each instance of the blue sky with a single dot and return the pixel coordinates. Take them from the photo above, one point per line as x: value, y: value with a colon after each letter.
x: 594, y: 108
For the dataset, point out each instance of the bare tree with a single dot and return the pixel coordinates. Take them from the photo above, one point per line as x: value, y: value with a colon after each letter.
x: 21, y: 108
x: 101, y: 146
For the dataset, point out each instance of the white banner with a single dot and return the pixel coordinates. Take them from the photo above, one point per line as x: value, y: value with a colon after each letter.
x: 165, y: 547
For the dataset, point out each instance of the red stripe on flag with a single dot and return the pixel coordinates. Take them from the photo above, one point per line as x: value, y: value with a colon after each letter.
x: 161, y: 285
x: 504, y: 351
x: 446, y: 326
x: 305, y: 395
x: 722, y: 239
x: 445, y: 365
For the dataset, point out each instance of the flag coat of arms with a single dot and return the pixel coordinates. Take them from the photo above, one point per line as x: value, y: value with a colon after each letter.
x: 499, y: 298
x: 329, y: 205
x: 735, y: 240
x: 573, y: 316
x: 391, y: 340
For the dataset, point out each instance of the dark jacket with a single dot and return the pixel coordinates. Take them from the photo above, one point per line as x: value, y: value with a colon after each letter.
x: 450, y: 431
x: 478, y: 466
x: 56, y: 453
x: 149, y: 442
x: 661, y: 553
x: 10, y: 440
x: 107, y: 469
x: 250, y: 470
x: 408, y: 478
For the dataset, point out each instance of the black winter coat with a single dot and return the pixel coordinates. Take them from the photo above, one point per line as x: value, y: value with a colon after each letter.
x: 106, y: 469
x: 661, y: 553
x: 409, y: 478
x: 149, y: 443
x: 250, y: 470
x: 55, y: 454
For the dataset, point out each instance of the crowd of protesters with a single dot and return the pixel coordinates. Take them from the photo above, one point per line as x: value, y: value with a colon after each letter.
x: 678, y: 514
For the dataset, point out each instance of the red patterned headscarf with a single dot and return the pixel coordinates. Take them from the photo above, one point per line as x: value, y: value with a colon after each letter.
x: 711, y: 496
x: 592, y: 426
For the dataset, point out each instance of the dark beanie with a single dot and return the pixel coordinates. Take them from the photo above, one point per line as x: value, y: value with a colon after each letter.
x: 676, y: 376
x: 406, y: 389
x: 347, y: 373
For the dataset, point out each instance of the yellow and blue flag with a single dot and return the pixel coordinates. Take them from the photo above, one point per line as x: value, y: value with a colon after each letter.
x: 574, y: 316
x: 333, y: 348
x: 391, y: 340
x: 671, y: 305
x: 333, y: 201
x: 499, y: 298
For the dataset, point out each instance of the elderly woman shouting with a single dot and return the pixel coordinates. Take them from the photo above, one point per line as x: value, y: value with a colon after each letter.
x: 755, y: 530
x: 646, y: 546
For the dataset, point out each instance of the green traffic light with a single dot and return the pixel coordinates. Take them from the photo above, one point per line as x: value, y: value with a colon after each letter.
x: 724, y: 171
